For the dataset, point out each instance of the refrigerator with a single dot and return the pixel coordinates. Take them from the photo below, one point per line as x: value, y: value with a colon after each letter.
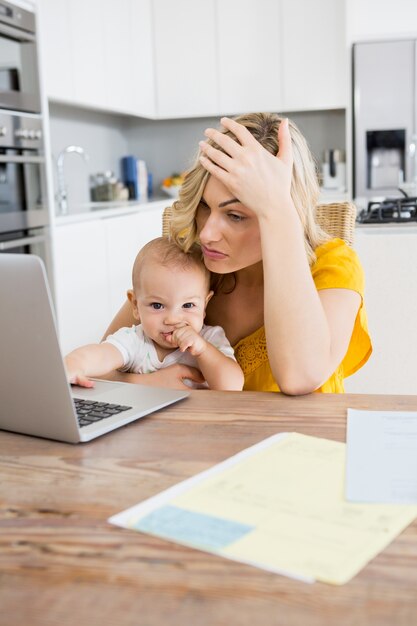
x: 384, y: 118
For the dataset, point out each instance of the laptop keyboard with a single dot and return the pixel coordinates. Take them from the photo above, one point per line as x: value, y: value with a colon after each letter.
x: 89, y: 412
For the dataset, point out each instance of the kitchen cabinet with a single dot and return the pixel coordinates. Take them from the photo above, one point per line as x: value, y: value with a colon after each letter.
x: 81, y: 291
x: 185, y: 58
x: 389, y: 257
x: 161, y: 59
x: 141, y: 64
x: 373, y: 19
x: 86, y: 25
x: 125, y: 236
x: 315, y: 55
x: 55, y: 49
x: 249, y: 55
x: 97, y: 55
x: 92, y: 269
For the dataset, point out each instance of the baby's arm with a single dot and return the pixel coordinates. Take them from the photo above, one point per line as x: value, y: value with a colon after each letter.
x: 92, y: 360
x: 220, y: 371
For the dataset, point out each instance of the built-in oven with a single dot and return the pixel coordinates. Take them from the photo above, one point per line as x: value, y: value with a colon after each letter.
x: 19, y: 76
x: 24, y: 214
x: 23, y: 191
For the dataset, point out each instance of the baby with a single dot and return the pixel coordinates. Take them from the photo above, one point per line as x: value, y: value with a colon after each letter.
x: 170, y: 293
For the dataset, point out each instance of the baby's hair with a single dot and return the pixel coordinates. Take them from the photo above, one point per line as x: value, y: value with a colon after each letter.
x: 168, y: 254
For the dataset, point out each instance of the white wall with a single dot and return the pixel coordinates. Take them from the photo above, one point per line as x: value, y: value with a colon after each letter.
x: 166, y: 145
x: 103, y: 136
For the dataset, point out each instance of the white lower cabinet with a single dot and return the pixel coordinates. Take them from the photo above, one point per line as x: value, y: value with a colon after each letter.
x: 389, y: 258
x: 81, y: 292
x: 92, y: 268
x: 125, y: 237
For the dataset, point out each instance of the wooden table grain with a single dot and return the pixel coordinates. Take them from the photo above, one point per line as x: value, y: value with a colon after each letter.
x: 62, y: 563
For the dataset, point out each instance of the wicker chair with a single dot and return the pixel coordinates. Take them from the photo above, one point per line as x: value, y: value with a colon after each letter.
x: 337, y: 219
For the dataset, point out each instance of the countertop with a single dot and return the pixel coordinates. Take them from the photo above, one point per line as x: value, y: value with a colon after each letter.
x: 104, y: 210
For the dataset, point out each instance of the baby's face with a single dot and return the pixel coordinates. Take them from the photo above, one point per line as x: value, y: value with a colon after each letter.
x: 168, y: 298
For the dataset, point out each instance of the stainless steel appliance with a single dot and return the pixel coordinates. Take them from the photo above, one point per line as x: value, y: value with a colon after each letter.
x: 333, y: 170
x: 23, y: 193
x: 24, y: 215
x: 401, y: 209
x: 19, y: 78
x: 384, y: 117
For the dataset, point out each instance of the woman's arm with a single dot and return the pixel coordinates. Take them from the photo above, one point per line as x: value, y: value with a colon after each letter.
x: 124, y: 317
x: 172, y: 376
x: 307, y: 333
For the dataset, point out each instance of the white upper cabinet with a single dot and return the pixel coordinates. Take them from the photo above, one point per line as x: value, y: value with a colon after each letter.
x: 373, y: 19
x: 140, y: 63
x: 315, y: 55
x: 128, y: 57
x: 55, y: 49
x: 118, y: 77
x: 185, y: 58
x: 86, y: 25
x: 188, y: 58
x: 249, y: 55
x: 99, y: 54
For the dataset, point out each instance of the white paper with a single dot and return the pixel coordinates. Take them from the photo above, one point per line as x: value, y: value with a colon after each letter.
x: 381, y: 460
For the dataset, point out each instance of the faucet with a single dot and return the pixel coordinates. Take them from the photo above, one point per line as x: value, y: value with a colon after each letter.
x: 62, y: 188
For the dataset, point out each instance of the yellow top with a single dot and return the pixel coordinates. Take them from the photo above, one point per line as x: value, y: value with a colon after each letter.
x: 337, y: 267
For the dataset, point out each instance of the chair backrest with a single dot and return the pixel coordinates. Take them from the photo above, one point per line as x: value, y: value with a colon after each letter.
x: 337, y: 219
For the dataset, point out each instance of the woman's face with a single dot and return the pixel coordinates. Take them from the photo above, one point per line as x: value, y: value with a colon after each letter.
x: 228, y: 231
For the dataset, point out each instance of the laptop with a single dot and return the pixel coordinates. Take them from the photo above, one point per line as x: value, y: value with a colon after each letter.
x: 35, y: 397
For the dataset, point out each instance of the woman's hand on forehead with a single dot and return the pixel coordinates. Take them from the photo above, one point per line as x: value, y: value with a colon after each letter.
x: 260, y: 180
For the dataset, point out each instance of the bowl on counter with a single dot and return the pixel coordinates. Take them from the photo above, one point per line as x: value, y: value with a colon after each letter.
x: 172, y: 190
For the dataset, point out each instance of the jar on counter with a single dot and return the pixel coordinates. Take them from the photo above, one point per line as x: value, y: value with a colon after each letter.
x: 104, y: 187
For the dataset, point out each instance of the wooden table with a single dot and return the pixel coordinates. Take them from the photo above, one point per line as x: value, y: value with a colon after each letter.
x: 62, y: 563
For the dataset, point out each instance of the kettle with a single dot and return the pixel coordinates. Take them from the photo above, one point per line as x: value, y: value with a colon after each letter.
x: 334, y: 170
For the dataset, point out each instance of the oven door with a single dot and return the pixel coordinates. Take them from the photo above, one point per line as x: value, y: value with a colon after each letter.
x: 23, y: 192
x: 24, y: 242
x: 19, y: 78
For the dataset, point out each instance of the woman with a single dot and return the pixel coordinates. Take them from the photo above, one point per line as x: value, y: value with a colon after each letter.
x: 289, y: 298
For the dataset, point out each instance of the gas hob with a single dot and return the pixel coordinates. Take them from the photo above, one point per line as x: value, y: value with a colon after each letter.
x: 389, y: 210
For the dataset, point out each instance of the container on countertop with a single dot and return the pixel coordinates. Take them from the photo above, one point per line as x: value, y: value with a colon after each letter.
x: 104, y: 187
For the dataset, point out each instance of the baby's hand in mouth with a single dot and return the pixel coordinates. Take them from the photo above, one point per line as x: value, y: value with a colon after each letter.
x: 168, y: 335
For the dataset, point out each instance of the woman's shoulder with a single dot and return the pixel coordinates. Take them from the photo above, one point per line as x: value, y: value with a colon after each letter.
x: 337, y: 265
x: 334, y: 248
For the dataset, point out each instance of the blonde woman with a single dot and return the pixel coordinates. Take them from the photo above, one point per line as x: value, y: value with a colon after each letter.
x: 289, y: 298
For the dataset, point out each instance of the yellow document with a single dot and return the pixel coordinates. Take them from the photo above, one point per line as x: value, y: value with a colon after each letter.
x: 278, y: 505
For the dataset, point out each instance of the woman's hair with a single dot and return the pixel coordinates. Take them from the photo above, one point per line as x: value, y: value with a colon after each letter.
x: 304, y: 185
x: 166, y: 253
